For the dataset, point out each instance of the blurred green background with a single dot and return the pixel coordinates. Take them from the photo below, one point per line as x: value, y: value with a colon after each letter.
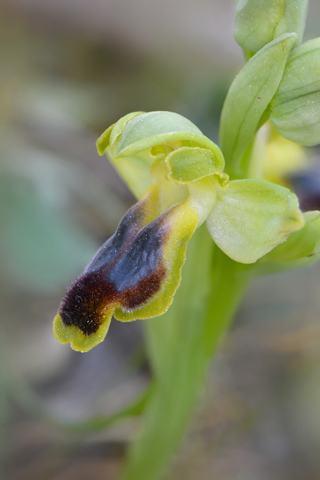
x: 68, y: 70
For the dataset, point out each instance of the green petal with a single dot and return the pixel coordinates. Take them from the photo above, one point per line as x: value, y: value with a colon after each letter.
x: 249, y: 95
x: 188, y: 164
x: 301, y: 248
x: 251, y: 217
x: 295, y: 109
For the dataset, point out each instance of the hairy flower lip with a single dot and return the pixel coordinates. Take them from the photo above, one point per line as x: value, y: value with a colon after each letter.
x: 133, y: 275
x: 126, y: 271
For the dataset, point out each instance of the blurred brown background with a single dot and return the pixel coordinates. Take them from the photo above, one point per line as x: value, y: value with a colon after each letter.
x: 68, y: 70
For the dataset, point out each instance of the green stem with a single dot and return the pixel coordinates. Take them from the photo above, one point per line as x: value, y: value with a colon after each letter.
x: 181, y: 344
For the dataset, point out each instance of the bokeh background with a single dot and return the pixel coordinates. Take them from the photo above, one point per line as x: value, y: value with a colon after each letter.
x: 68, y: 70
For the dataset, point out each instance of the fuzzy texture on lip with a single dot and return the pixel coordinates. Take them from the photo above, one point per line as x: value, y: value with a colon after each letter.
x: 127, y: 271
x: 135, y: 274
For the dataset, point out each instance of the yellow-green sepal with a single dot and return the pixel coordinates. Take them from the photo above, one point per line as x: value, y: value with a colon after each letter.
x: 258, y: 22
x: 103, y: 141
x: 134, y: 171
x: 115, y: 129
x: 251, y: 217
x: 301, y: 249
x: 148, y: 130
x: 248, y: 98
x: 136, y: 140
x: 295, y: 107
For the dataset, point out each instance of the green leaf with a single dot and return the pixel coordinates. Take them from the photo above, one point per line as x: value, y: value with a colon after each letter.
x: 249, y: 95
x: 258, y: 22
x: 295, y: 109
x: 251, y: 217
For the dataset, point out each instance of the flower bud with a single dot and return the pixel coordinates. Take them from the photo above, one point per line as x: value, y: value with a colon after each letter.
x: 281, y: 158
x: 295, y: 109
x: 258, y: 22
x: 248, y: 99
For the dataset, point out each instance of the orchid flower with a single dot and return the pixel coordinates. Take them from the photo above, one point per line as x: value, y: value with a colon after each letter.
x: 177, y: 174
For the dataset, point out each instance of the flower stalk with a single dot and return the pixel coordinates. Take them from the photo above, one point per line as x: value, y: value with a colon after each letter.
x: 181, y: 344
